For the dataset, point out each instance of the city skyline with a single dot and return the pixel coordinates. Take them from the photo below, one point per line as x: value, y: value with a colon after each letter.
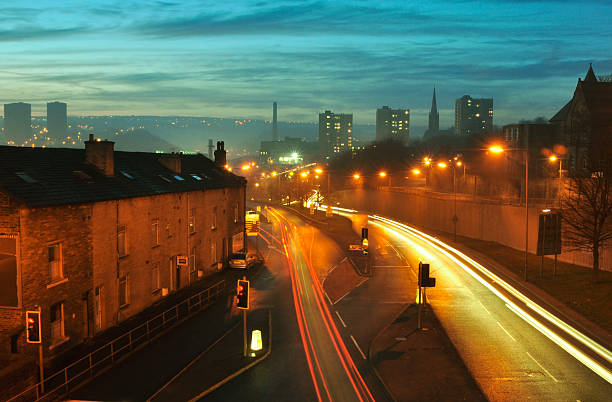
x: 194, y: 59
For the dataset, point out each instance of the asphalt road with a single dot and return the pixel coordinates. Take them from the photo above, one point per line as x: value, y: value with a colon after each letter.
x: 509, y: 358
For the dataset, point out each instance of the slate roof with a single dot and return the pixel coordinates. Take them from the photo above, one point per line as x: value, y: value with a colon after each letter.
x: 39, y: 177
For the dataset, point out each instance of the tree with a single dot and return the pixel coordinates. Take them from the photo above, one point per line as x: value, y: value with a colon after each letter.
x: 587, y: 214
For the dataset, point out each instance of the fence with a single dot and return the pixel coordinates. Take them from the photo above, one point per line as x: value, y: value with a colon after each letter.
x: 105, y: 356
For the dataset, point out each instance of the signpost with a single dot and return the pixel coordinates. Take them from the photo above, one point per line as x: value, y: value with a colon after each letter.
x: 549, y: 237
x: 252, y: 223
x: 242, y: 302
x: 424, y: 282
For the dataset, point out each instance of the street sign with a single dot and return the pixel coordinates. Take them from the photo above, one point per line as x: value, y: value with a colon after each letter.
x: 252, y: 223
x: 355, y: 247
x: 181, y: 260
x: 424, y: 279
x: 364, y: 243
x: 549, y: 234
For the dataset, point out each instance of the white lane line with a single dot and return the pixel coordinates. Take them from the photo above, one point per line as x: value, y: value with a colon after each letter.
x: 327, y: 297
x: 542, y: 367
x: 358, y: 348
x: 483, y: 306
x: 361, y: 283
x: 336, y: 302
x: 507, y: 333
x: 340, y: 318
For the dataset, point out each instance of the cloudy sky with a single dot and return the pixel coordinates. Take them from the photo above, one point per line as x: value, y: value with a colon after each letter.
x: 234, y: 58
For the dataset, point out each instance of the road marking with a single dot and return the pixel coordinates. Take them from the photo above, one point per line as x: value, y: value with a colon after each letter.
x: 343, y: 296
x: 507, y: 333
x: 542, y: 367
x: 358, y: 348
x: 390, y: 266
x: 483, y: 306
x: 328, y: 299
x: 361, y: 283
x: 340, y: 318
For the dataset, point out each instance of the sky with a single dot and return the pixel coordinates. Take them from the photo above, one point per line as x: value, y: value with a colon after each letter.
x: 234, y: 58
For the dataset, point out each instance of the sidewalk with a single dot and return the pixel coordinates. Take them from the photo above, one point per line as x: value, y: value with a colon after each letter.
x: 421, y: 365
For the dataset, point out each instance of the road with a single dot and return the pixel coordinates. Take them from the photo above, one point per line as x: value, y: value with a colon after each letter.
x: 512, y: 352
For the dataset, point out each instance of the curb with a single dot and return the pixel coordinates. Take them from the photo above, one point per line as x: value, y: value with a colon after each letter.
x: 243, y: 369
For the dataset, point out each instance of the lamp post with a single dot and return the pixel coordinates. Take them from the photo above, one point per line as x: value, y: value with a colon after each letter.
x: 554, y: 158
x: 496, y: 149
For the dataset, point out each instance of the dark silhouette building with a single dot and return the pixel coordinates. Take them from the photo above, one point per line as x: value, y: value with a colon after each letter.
x: 57, y: 119
x: 585, y: 125
x: 473, y: 115
x: 392, y: 123
x: 18, y: 122
x: 434, y: 119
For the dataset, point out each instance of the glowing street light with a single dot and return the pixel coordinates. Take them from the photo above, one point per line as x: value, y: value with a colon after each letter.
x: 552, y: 158
x: 496, y: 149
x: 274, y: 174
x: 356, y: 176
x: 382, y: 174
x: 245, y: 167
x: 256, y: 184
x: 442, y: 165
x: 318, y: 170
x: 416, y: 172
x: 304, y: 175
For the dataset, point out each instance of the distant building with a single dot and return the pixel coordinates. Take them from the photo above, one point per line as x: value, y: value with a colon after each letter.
x: 433, y: 129
x: 96, y: 238
x: 473, y: 116
x: 18, y: 122
x: 585, y: 125
x: 536, y: 138
x: 290, y: 151
x: 392, y: 123
x: 335, y: 133
x: 57, y: 119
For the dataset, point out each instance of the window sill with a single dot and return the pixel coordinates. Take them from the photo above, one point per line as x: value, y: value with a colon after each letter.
x: 156, y: 246
x: 156, y: 291
x: 123, y: 256
x: 59, y: 342
x: 57, y: 282
x: 124, y: 306
x: 192, y: 233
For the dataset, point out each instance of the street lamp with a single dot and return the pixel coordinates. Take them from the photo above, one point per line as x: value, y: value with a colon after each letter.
x: 356, y: 176
x: 382, y: 175
x: 496, y: 149
x: 553, y: 159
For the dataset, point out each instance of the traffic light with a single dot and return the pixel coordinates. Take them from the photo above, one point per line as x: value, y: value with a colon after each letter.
x: 33, y: 327
x: 364, y: 233
x: 242, y: 294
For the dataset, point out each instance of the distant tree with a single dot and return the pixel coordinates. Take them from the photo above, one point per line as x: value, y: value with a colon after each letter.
x: 587, y: 214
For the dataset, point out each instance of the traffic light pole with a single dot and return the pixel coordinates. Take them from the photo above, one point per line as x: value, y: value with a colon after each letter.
x: 40, y: 360
x: 244, y: 330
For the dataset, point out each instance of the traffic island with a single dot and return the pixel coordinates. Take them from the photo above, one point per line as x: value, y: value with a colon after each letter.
x: 421, y: 365
x: 221, y: 362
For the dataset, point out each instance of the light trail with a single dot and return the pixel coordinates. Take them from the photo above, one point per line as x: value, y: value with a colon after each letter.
x: 454, y: 255
x: 347, y: 365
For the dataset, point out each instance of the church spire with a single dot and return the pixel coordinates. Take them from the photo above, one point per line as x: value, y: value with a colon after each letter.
x: 434, y: 117
x: 590, y: 75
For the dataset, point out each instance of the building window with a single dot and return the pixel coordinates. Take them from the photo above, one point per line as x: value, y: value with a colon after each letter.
x: 124, y: 291
x: 155, y: 278
x: 57, y: 323
x: 54, y: 253
x: 236, y: 215
x: 122, y: 245
x: 168, y: 231
x: 192, y: 260
x: 213, y: 253
x: 192, y: 221
x: 155, y: 233
x: 213, y: 226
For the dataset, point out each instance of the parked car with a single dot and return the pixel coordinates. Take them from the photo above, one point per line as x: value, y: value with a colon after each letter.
x: 238, y: 260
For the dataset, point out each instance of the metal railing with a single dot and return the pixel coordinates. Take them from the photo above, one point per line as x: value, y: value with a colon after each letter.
x: 94, y: 363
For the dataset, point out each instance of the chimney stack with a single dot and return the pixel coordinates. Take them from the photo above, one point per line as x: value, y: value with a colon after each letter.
x: 172, y: 161
x: 100, y: 155
x: 220, y: 155
x: 274, y: 123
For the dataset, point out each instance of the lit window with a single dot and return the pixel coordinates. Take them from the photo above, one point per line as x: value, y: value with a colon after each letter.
x: 213, y: 225
x: 155, y: 233
x: 54, y: 253
x: 122, y: 246
x: 179, y: 178
x: 57, y: 323
x: 198, y: 178
x: 127, y: 175
x: 124, y: 291
x: 192, y: 260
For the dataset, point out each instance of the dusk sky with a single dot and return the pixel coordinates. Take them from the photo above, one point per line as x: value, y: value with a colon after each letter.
x: 234, y: 58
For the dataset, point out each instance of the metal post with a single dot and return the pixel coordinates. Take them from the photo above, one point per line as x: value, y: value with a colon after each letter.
x: 419, y: 300
x: 526, y: 208
x: 559, y: 189
x: 41, y: 366
x: 555, y: 267
x: 244, y: 329
x: 454, y: 205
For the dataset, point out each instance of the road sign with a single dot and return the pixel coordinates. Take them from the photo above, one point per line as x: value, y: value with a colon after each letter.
x: 549, y: 234
x: 355, y: 247
x: 181, y: 260
x: 364, y: 243
x: 424, y: 279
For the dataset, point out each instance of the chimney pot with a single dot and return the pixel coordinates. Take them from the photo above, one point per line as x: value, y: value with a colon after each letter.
x: 100, y: 155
